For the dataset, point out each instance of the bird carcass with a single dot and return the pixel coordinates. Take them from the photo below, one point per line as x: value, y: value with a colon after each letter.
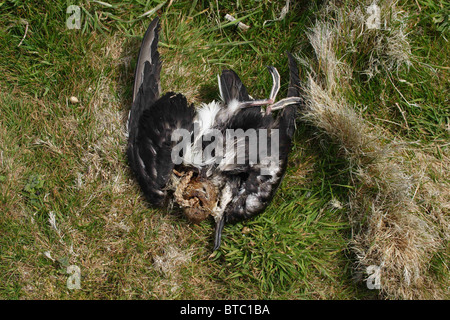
x: 224, y: 159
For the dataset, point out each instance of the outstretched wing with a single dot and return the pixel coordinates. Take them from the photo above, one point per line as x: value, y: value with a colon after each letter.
x: 146, y: 78
x: 254, y: 190
x: 152, y: 121
x: 233, y: 90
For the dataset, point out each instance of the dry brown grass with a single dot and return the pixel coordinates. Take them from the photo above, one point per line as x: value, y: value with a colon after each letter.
x: 399, y: 213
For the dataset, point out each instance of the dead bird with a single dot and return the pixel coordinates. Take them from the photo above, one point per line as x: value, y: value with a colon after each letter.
x: 213, y: 160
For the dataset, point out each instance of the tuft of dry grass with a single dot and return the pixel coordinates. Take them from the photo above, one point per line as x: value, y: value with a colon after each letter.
x: 398, y: 212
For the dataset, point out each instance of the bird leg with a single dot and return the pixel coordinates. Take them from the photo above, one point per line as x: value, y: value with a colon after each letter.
x: 271, y: 105
x: 273, y: 93
x: 285, y: 102
x: 275, y: 87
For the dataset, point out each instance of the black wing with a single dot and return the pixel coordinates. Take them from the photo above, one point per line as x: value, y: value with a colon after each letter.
x: 152, y: 150
x: 152, y: 121
x: 146, y: 78
x: 253, y: 191
x: 232, y: 88
x: 149, y: 53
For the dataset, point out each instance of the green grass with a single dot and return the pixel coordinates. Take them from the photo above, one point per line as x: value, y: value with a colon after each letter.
x: 69, y: 159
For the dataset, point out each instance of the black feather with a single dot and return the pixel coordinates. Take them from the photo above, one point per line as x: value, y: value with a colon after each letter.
x: 154, y: 143
x: 148, y: 53
x: 232, y: 87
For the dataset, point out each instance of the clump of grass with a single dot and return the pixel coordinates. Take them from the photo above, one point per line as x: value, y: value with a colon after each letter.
x: 391, y: 229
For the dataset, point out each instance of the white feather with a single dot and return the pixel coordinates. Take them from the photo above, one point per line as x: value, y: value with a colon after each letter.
x: 206, y: 116
x: 233, y: 106
x: 204, y: 121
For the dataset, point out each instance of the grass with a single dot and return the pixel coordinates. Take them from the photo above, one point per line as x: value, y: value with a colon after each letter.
x: 67, y: 196
x: 395, y: 227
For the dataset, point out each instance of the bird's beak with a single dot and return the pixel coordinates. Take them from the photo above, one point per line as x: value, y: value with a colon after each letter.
x: 218, y: 232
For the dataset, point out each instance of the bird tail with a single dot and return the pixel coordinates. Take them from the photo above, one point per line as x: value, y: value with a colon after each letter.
x: 218, y: 232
